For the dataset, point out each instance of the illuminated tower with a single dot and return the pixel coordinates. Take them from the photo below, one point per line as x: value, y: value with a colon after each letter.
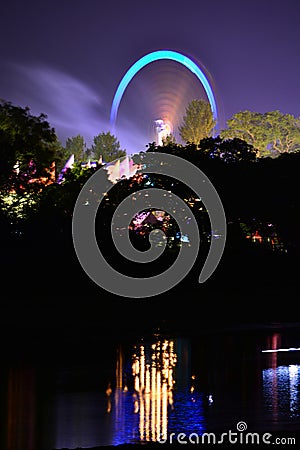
x: 163, y: 129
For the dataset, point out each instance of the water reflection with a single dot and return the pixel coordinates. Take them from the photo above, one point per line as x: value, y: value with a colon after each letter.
x: 144, y: 390
x: 21, y: 409
x: 281, y: 382
x: 152, y: 369
x: 281, y: 390
x: 158, y: 396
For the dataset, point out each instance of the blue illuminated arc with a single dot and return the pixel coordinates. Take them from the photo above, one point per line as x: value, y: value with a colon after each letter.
x: 155, y: 56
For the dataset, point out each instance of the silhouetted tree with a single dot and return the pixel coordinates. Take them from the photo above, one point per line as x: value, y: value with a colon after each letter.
x: 76, y: 146
x: 28, y: 145
x: 228, y: 150
x: 107, y: 146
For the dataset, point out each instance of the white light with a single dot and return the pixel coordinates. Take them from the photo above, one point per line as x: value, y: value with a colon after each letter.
x: 290, y: 349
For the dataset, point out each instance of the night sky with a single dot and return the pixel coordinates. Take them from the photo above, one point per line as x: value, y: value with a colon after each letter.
x: 65, y: 58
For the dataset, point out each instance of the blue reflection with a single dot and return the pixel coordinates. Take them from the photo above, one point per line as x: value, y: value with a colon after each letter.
x: 188, y: 413
x: 136, y: 418
x: 124, y: 418
x: 281, y: 390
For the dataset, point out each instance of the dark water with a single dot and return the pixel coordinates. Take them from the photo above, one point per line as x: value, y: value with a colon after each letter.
x: 143, y: 388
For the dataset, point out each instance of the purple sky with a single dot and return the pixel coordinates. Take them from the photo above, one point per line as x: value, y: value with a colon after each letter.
x: 65, y: 58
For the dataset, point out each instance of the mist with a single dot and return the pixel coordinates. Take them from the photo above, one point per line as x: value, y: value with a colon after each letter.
x: 72, y: 107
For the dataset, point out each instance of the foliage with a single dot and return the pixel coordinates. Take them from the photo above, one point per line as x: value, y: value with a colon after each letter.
x: 18, y: 206
x: 61, y: 156
x: 283, y: 131
x: 107, y: 147
x: 27, y: 145
x: 169, y: 139
x: 271, y: 133
x: 62, y: 197
x: 198, y: 122
x: 217, y: 149
x: 228, y: 150
x: 249, y: 187
x: 76, y: 146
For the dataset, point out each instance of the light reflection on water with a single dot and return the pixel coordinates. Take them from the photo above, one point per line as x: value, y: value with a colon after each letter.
x: 281, y: 391
x: 137, y: 418
x: 156, y: 387
x: 153, y: 407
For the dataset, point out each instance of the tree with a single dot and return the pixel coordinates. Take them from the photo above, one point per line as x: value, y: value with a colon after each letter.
x: 107, y: 146
x: 27, y: 144
x: 169, y: 140
x: 270, y: 133
x: 228, y: 150
x: 198, y: 122
x: 283, y: 131
x: 76, y: 146
x: 247, y: 125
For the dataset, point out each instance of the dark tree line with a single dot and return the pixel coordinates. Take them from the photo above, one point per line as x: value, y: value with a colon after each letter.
x: 36, y: 235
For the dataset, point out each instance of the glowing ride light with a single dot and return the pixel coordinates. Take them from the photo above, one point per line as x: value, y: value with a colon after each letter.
x: 163, y: 129
x: 290, y: 349
x: 97, y: 187
x: 156, y: 56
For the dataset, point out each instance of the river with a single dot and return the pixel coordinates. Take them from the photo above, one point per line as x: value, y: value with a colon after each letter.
x: 153, y: 387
